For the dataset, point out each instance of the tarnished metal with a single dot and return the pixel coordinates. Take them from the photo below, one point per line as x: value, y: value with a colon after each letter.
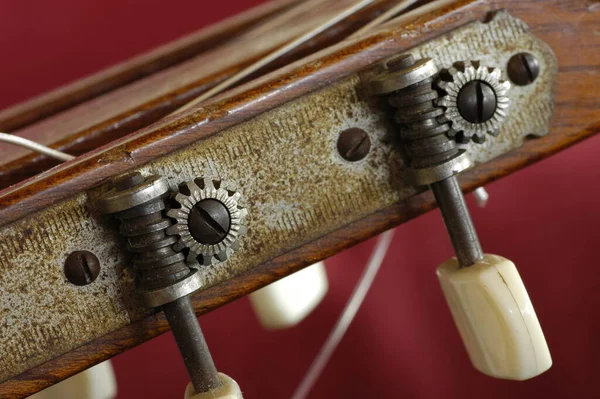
x: 209, y: 220
x: 458, y: 221
x: 163, y: 279
x: 291, y: 201
x: 464, y: 106
x: 192, y: 345
x: 170, y: 293
x: 138, y: 203
x: 121, y: 197
x: 523, y: 68
x: 433, y: 158
x: 476, y: 101
x: 423, y: 137
x: 441, y: 171
x: 82, y: 267
x: 402, y: 77
x: 353, y: 144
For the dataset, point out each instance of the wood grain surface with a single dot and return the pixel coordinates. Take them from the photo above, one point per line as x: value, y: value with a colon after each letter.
x: 568, y: 27
x: 145, y: 90
x: 65, y: 97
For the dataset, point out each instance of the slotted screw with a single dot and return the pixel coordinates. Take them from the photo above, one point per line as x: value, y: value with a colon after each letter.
x: 209, y: 221
x: 476, y: 102
x: 523, y: 69
x: 353, y: 144
x: 82, y: 267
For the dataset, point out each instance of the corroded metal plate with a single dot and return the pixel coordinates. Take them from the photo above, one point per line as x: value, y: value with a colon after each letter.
x: 294, y: 184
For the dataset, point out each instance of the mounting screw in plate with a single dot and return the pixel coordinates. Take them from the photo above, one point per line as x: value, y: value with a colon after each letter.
x: 82, y: 267
x: 353, y: 144
x: 523, y: 69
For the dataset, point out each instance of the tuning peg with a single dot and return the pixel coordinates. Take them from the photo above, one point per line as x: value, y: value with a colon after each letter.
x: 495, y: 318
x: 288, y: 301
x: 487, y: 298
x: 97, y: 382
x: 229, y: 389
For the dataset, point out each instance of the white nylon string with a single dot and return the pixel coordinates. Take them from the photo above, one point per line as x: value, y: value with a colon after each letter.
x: 386, y: 16
x: 403, y: 5
x: 275, y: 54
x: 352, y: 306
x: 61, y: 156
x: 32, y: 145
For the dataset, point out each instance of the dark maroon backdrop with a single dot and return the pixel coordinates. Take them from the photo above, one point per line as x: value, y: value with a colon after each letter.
x: 403, y: 343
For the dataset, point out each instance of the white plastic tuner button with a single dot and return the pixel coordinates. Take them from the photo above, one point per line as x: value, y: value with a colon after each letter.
x: 229, y: 389
x: 97, y: 382
x: 495, y: 318
x: 288, y: 301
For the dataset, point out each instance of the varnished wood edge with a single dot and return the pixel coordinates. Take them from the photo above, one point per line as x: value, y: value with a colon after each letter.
x: 118, y: 341
x: 177, y: 51
x: 181, y: 130
x: 112, y: 344
x: 132, y: 119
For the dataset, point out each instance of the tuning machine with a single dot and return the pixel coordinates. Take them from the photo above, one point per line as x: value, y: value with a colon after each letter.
x: 485, y: 293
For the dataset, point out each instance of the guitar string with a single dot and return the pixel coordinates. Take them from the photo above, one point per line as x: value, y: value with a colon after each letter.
x: 275, y: 55
x: 366, y: 280
x: 37, y: 147
x: 481, y: 195
x: 61, y: 156
x: 384, y: 240
x: 386, y: 16
x: 347, y: 316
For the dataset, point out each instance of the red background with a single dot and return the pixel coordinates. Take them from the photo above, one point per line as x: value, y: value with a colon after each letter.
x: 402, y: 343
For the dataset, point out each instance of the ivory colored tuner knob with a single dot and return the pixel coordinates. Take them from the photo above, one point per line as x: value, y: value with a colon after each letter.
x: 288, y: 301
x: 495, y: 318
x: 229, y: 389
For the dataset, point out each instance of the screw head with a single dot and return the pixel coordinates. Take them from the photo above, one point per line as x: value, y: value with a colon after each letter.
x: 82, y: 267
x: 209, y: 221
x: 476, y: 101
x: 353, y: 144
x: 523, y: 69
